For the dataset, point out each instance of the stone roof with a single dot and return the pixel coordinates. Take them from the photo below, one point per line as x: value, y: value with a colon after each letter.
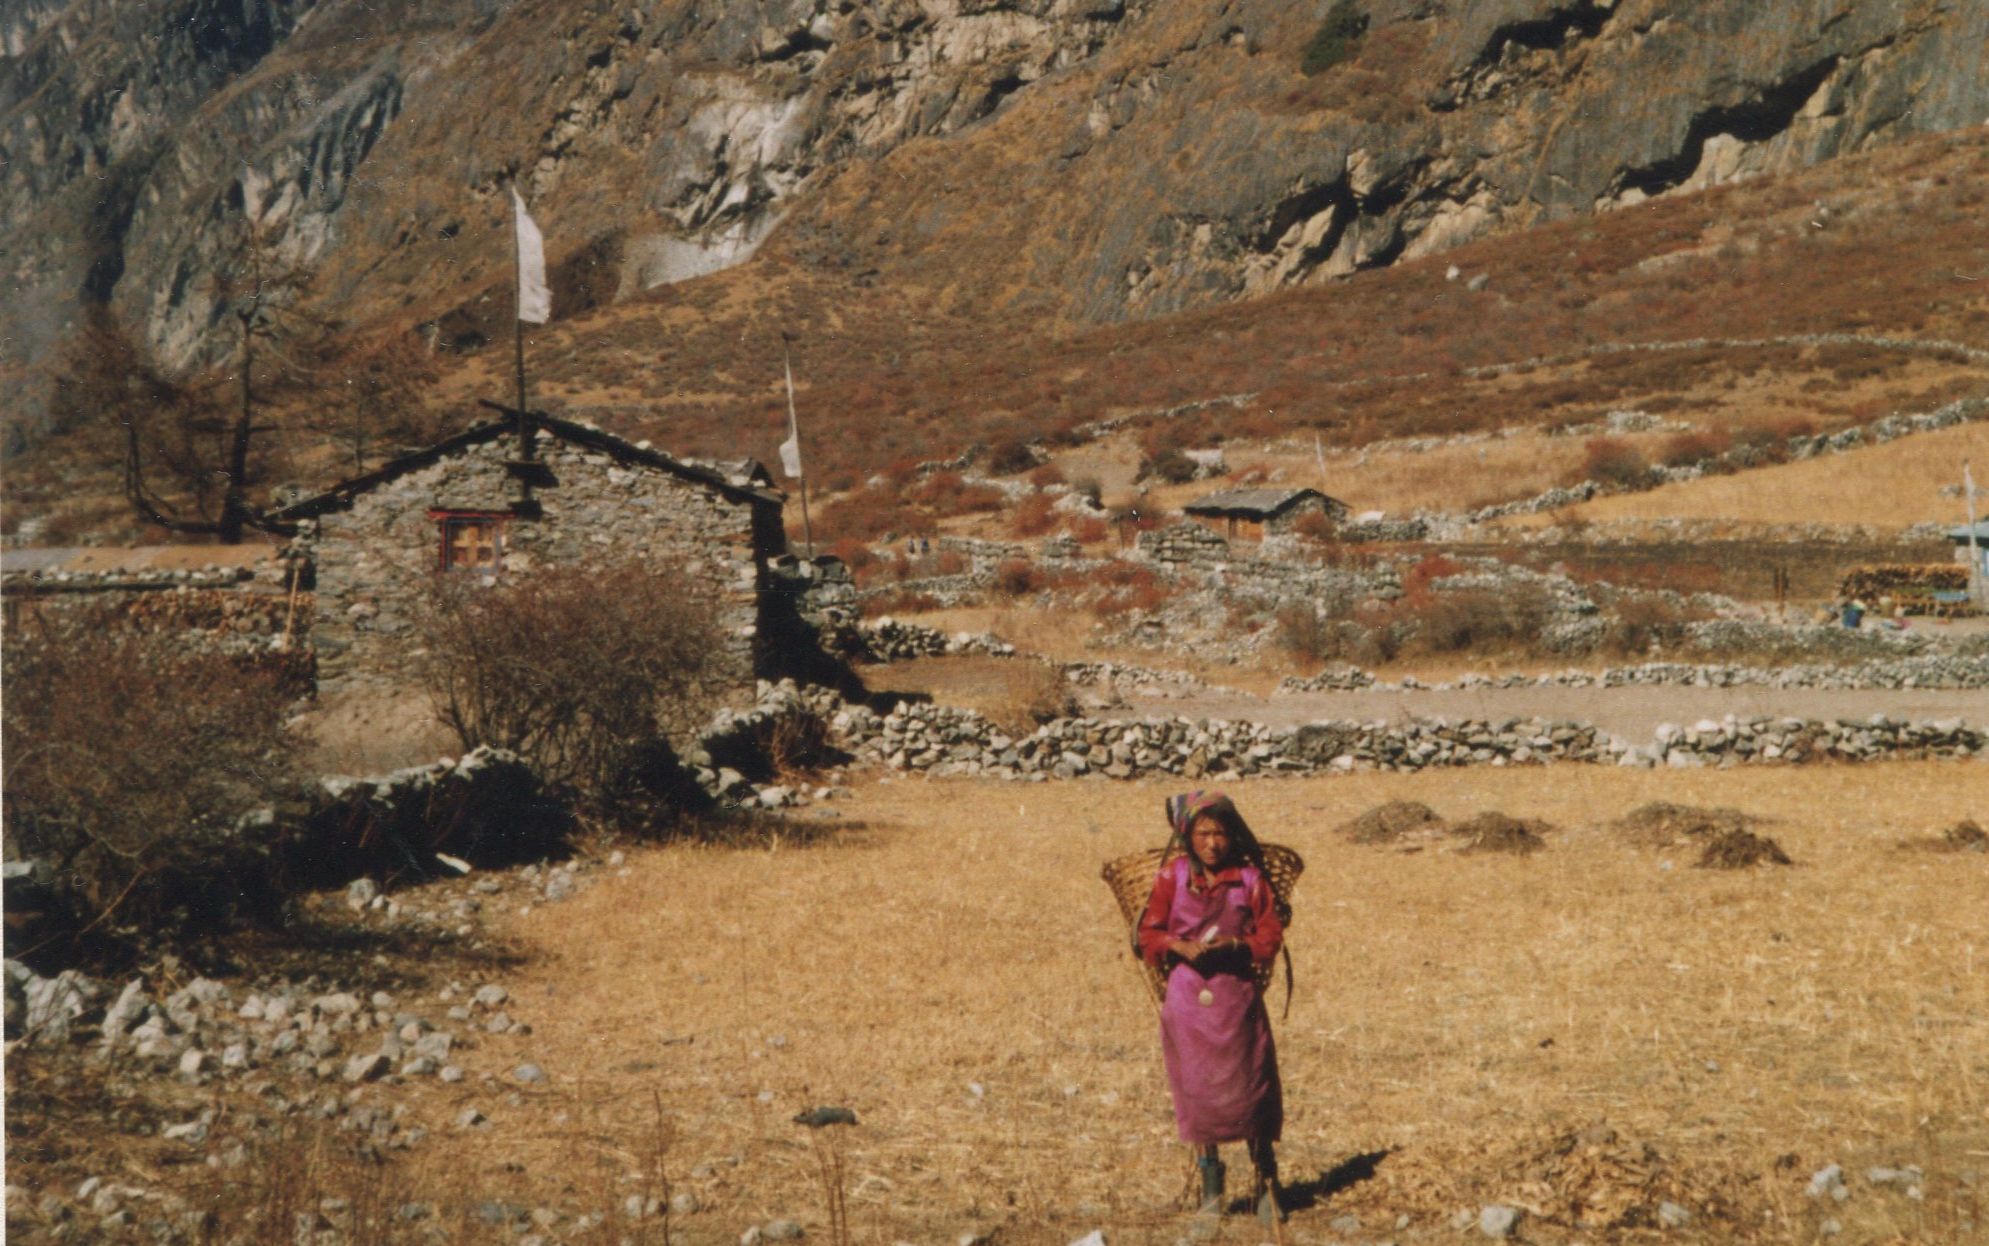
x: 1252, y: 503
x: 1960, y: 535
x: 342, y: 494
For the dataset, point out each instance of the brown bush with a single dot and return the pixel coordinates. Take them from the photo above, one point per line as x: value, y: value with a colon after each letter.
x: 1641, y: 621
x: 1034, y: 515
x: 1046, y: 475
x: 1479, y: 619
x: 588, y: 672
x: 1010, y: 457
x: 1613, y: 461
x: 1170, y: 465
x: 1015, y: 577
x: 1315, y: 526
x: 948, y: 493
x: 1087, y: 529
x: 129, y: 758
x: 1696, y: 446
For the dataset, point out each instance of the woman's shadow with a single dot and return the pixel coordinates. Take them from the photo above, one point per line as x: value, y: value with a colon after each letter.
x: 1350, y: 1172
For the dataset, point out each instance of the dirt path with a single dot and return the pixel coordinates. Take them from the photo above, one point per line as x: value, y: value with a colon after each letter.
x: 1632, y: 713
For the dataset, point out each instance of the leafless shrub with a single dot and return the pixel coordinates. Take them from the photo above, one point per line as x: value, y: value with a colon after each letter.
x: 590, y: 672
x: 129, y: 759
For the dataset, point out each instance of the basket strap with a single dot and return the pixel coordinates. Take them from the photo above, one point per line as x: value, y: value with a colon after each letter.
x: 1285, y: 951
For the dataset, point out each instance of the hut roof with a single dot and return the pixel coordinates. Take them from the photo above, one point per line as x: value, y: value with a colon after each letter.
x: 1255, y: 503
x: 342, y: 494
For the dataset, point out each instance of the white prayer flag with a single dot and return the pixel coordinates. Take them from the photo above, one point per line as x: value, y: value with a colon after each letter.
x: 790, y: 450
x: 534, y: 296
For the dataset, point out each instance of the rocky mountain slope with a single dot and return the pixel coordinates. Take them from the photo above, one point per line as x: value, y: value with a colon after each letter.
x: 1089, y: 160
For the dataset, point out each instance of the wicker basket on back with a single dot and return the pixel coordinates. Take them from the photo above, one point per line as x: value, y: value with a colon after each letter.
x: 1131, y: 879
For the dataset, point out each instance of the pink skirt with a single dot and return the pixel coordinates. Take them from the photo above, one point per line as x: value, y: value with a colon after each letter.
x: 1222, y: 1065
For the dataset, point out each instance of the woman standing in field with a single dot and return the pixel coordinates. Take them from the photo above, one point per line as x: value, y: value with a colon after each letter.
x: 1211, y: 921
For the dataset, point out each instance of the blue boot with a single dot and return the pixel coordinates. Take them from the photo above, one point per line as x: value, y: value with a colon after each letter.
x: 1212, y: 1179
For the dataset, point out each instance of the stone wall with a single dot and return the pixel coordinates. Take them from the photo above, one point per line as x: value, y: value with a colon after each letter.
x: 378, y: 559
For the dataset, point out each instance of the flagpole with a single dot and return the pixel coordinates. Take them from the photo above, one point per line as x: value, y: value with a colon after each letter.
x: 794, y: 433
x: 518, y: 324
x: 1974, y: 553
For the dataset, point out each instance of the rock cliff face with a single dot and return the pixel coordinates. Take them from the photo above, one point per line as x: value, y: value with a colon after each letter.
x: 1099, y: 159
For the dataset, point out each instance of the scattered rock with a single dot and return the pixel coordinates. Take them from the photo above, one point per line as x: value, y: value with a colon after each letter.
x: 361, y: 892
x: 1497, y: 1221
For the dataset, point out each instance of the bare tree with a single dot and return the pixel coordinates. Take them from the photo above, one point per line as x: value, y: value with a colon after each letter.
x: 262, y: 293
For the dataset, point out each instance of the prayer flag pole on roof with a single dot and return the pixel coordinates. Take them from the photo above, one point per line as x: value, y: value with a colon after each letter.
x: 534, y: 300
x: 790, y: 452
x: 1975, y: 585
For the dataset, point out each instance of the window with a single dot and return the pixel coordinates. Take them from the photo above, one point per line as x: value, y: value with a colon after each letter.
x: 470, y: 541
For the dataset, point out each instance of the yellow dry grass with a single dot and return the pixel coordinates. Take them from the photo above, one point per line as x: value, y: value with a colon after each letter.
x: 1886, y: 486
x: 952, y: 969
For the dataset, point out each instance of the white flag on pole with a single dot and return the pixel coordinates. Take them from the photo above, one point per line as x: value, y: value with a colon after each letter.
x: 790, y: 450
x: 534, y: 296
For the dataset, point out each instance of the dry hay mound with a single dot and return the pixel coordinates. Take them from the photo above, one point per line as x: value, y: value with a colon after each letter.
x: 1737, y: 850
x: 1966, y: 835
x: 1596, y: 1180
x: 1591, y: 1181
x: 1661, y: 824
x: 1384, y: 824
x: 1493, y: 831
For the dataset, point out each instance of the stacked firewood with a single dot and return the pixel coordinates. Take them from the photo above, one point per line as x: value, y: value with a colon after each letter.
x: 1904, y: 582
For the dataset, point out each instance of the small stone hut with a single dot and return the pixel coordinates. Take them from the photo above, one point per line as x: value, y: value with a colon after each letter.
x: 1257, y: 513
x: 506, y: 496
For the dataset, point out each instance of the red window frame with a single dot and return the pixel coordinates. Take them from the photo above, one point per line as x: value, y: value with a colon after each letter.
x: 450, y: 522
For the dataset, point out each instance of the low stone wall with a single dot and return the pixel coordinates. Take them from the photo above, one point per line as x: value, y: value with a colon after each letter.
x: 945, y: 741
x: 1926, y: 671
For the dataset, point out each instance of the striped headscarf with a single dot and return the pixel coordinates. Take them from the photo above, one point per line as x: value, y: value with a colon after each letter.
x: 1182, y: 810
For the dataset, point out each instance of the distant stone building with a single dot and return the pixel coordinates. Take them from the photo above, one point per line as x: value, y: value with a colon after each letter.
x: 1260, y: 512
x: 496, y: 501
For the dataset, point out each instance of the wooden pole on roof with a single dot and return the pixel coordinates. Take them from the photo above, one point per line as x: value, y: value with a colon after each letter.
x: 1974, y: 552
x: 791, y: 449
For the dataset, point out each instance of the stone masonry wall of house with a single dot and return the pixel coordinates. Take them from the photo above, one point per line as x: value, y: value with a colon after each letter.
x: 377, y: 561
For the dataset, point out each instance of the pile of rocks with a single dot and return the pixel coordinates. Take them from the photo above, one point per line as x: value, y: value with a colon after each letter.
x: 892, y: 640
x: 205, y: 1033
x: 1332, y: 679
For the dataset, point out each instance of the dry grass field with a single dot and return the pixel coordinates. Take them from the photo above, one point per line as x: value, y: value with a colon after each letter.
x: 948, y: 965
x: 1886, y: 486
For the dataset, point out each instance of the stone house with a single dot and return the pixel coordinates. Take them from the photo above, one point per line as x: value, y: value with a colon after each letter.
x: 499, y: 499
x: 1253, y: 514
